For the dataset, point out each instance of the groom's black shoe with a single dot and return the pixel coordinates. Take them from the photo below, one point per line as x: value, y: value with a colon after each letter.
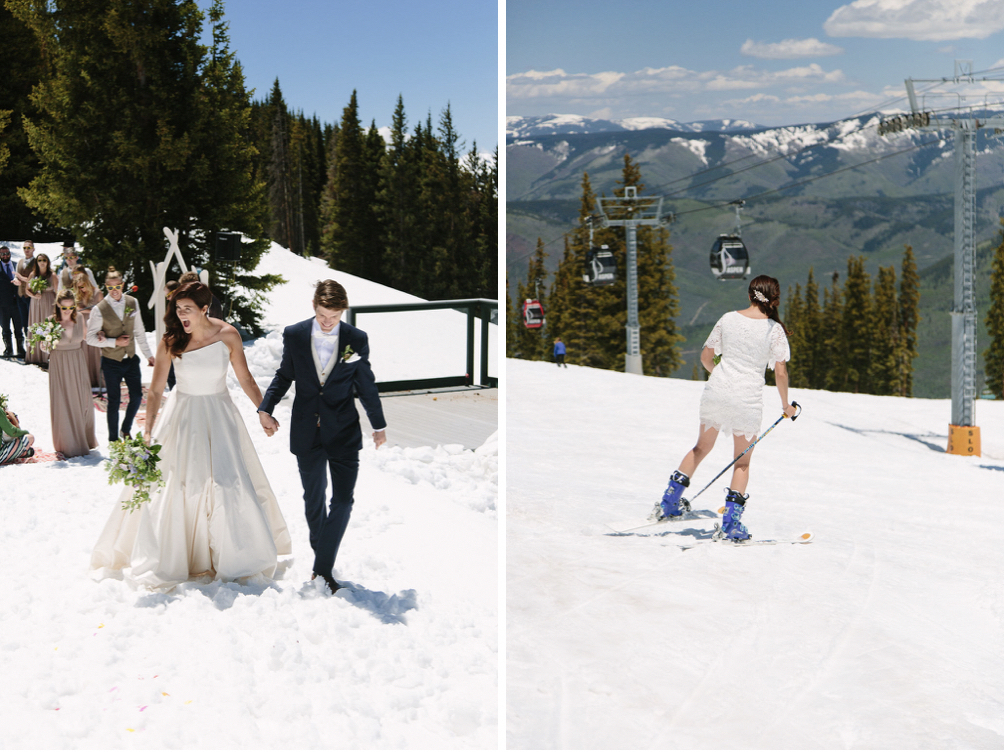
x: 332, y: 584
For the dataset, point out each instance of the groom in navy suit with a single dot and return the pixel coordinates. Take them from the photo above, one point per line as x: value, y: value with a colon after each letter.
x: 329, y: 361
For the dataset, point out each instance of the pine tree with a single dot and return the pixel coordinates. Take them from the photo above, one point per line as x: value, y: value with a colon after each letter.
x: 348, y: 206
x: 280, y: 190
x: 113, y: 130
x: 855, y: 336
x: 228, y: 194
x: 480, y: 278
x: 885, y: 330
x: 532, y: 344
x: 813, y: 328
x: 909, y: 317
x: 512, y: 323
x: 831, y: 362
x: 798, y: 339
x: 993, y: 356
x: 658, y: 303
x: 23, y: 65
x: 398, y: 207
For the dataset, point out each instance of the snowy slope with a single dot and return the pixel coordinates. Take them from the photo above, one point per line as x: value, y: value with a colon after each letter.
x: 407, y: 659
x: 884, y: 632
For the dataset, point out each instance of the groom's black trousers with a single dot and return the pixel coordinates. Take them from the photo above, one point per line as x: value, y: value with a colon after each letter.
x: 114, y: 372
x: 327, y: 525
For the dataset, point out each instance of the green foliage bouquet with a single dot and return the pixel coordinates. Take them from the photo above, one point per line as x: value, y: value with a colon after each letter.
x: 38, y: 285
x: 134, y: 463
x: 47, y: 333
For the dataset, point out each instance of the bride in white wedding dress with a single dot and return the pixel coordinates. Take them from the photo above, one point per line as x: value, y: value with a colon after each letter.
x: 215, y: 513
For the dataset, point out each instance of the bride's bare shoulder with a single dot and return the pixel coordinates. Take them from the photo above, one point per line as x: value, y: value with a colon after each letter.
x: 230, y: 336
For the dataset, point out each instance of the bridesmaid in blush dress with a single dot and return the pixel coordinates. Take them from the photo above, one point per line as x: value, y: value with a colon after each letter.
x: 70, y: 404
x: 41, y: 306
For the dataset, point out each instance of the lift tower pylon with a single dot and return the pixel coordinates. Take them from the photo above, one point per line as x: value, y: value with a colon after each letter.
x: 629, y: 211
x: 963, y: 434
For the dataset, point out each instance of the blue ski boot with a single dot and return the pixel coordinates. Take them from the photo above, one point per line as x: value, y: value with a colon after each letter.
x: 673, y: 505
x: 732, y: 528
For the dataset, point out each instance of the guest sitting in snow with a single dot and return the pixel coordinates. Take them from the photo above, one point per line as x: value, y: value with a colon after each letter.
x: 15, y: 442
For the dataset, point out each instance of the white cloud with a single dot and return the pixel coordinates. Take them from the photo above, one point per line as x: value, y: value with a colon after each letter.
x: 923, y: 20
x: 789, y: 49
x: 672, y: 80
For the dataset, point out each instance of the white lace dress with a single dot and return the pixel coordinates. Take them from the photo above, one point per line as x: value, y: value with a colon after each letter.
x: 733, y: 397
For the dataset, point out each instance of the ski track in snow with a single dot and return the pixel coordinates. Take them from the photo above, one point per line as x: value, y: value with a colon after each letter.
x: 405, y: 659
x: 881, y: 633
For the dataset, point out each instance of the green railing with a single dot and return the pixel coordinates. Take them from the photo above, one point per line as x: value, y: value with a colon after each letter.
x: 481, y: 308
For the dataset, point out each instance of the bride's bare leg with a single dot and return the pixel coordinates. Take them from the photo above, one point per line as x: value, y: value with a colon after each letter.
x: 741, y: 470
x: 705, y: 442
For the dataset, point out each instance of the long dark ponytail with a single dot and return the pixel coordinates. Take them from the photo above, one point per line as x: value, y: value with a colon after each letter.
x: 765, y: 294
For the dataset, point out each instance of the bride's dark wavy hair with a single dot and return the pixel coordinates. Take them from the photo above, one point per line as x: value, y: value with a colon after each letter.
x: 769, y: 288
x: 175, y: 337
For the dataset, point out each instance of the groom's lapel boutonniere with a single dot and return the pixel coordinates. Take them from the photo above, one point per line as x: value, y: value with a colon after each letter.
x: 349, y: 355
x: 129, y: 311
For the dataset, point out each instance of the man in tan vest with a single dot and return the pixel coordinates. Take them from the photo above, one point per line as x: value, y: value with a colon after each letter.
x: 115, y: 326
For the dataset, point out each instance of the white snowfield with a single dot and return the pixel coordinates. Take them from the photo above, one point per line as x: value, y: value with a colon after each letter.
x: 406, y: 659
x: 882, y: 633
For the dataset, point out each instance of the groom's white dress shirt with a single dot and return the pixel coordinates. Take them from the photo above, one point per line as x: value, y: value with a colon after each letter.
x: 325, y: 352
x: 325, y: 345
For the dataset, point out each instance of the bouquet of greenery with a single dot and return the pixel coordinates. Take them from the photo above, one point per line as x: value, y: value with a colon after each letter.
x: 135, y: 464
x: 38, y: 285
x: 47, y: 333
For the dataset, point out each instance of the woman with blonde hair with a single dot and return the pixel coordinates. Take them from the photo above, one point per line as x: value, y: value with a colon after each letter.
x: 41, y: 305
x: 742, y: 345
x: 87, y: 295
x: 70, y: 404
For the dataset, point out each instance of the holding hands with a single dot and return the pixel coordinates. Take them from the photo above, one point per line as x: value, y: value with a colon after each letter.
x: 270, y: 424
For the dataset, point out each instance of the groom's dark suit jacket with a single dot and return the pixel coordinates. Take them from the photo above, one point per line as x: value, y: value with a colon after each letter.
x: 325, y: 416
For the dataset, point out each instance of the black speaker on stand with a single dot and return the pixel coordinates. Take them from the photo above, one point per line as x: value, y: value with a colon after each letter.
x: 228, y: 247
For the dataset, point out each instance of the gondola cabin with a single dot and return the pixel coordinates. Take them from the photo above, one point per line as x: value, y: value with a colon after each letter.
x: 601, y: 267
x: 729, y: 258
x: 533, y: 314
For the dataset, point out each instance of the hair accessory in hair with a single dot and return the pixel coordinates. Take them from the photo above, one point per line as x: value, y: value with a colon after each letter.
x: 760, y: 296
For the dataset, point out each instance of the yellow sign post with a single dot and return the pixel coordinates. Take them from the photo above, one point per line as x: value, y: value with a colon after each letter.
x: 964, y: 440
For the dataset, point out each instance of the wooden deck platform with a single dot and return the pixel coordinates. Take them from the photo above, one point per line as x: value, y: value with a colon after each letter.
x: 466, y: 417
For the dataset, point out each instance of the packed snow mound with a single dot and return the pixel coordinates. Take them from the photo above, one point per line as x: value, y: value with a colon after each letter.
x: 470, y: 478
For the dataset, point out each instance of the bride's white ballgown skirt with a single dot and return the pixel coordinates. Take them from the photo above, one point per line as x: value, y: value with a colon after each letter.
x: 215, y: 513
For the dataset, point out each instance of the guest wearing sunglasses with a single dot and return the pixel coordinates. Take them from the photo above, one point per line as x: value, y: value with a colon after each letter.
x: 70, y: 403
x: 115, y: 326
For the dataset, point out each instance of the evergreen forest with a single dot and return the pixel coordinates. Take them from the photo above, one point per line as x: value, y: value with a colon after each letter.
x: 118, y: 121
x: 855, y: 335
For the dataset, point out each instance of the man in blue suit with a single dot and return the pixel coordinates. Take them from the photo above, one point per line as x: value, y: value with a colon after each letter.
x: 329, y: 361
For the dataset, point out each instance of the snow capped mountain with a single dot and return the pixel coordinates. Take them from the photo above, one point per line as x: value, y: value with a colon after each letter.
x: 520, y: 127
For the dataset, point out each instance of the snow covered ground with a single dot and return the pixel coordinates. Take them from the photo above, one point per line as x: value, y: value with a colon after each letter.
x: 407, y: 659
x: 883, y: 633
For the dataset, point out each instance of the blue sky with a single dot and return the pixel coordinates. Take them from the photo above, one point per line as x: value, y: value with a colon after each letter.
x: 432, y: 53
x: 773, y: 62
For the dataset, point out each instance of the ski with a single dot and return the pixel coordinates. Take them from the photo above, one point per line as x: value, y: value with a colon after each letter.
x: 798, y: 539
x: 632, y: 527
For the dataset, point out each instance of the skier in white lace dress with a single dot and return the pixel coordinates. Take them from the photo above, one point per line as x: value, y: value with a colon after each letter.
x: 748, y: 341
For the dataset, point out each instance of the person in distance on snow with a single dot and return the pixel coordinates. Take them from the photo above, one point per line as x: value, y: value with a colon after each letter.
x: 748, y: 341
x: 329, y: 361
x: 559, y: 352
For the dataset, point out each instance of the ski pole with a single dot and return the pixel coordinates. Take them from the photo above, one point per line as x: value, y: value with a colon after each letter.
x: 755, y: 441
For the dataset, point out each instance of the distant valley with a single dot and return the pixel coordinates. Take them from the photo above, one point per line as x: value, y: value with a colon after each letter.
x: 872, y: 210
